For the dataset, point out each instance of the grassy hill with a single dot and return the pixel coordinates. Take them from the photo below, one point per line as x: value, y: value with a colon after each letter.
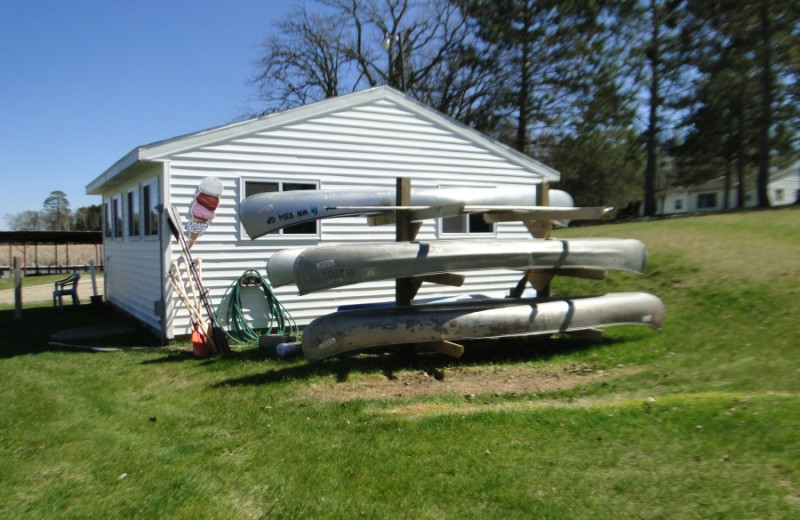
x: 699, y: 421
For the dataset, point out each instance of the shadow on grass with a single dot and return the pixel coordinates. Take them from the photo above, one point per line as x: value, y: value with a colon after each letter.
x: 401, y: 358
x: 32, y: 333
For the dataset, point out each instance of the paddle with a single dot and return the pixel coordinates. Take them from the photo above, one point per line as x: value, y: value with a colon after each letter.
x: 218, y: 335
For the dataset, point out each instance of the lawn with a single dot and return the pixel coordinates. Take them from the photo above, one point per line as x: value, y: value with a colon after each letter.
x: 699, y: 421
x: 29, y: 281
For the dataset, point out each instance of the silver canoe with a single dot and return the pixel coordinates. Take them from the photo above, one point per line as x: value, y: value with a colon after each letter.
x: 326, y: 267
x: 267, y: 212
x: 347, y: 331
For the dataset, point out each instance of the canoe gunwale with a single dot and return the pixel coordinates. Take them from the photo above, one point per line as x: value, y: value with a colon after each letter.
x: 355, y: 330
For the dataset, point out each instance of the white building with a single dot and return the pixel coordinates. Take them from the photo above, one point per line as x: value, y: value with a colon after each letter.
x: 365, y: 139
x: 783, y: 189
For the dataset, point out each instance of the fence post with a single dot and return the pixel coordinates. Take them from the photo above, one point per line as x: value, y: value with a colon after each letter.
x: 17, y: 289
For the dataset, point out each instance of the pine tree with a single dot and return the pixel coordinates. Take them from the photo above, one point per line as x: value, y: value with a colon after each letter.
x: 748, y: 65
x: 56, y: 213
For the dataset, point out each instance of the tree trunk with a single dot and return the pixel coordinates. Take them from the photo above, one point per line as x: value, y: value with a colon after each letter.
x: 726, y: 196
x: 652, y: 124
x: 524, y: 86
x: 740, y: 188
x: 766, y: 108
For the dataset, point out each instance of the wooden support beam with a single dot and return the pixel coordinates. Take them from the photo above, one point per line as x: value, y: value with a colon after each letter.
x: 404, y: 287
x: 543, y: 194
x: 382, y: 219
x: 416, y: 214
x: 539, y: 229
x: 517, y: 290
x: 414, y: 228
x: 447, y: 348
x: 455, y: 280
x: 415, y: 284
x: 540, y: 280
x: 445, y: 210
x: 545, y: 213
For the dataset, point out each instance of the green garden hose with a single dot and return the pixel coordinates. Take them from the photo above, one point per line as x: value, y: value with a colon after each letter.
x: 279, y: 321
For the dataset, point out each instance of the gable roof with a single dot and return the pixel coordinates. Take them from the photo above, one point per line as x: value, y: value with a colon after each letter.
x: 147, y: 156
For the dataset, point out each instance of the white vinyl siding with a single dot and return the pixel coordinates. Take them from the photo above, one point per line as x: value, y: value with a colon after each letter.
x: 364, y: 147
x: 785, y: 189
x: 132, y: 279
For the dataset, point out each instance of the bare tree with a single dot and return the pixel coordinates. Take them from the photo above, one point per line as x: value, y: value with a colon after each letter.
x: 303, y: 61
x: 26, y: 221
x: 423, y: 47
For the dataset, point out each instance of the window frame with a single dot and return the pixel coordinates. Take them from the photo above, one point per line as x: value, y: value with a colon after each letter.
x: 108, y: 229
x: 118, y: 217
x: 280, y: 182
x: 150, y: 214
x: 134, y: 213
x: 707, y: 200
x: 466, y: 220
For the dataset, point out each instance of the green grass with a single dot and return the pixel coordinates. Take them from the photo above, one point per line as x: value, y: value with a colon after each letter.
x: 700, y: 421
x: 27, y: 281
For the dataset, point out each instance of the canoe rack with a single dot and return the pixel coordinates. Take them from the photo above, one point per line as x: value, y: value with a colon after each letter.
x: 538, y: 219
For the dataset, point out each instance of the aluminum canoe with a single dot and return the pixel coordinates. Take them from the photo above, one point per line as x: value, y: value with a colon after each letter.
x: 267, y: 212
x: 329, y: 266
x: 348, y: 331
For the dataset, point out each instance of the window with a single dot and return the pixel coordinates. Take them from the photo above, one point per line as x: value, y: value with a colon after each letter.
x: 469, y: 224
x: 779, y: 195
x: 116, y: 206
x: 678, y: 204
x: 707, y: 201
x: 150, y: 205
x: 255, y: 187
x: 107, y: 225
x: 134, y: 213
x: 465, y: 224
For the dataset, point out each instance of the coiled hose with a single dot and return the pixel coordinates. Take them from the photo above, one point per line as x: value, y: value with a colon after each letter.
x: 279, y: 321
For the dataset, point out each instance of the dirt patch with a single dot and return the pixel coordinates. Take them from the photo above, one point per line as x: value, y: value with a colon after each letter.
x: 468, y: 382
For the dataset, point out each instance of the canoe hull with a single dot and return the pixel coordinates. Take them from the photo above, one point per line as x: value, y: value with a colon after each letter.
x: 330, y: 266
x: 268, y: 212
x: 355, y: 330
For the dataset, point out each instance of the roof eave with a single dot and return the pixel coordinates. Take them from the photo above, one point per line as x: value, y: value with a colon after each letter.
x: 144, y: 157
x: 164, y: 149
x: 120, y: 172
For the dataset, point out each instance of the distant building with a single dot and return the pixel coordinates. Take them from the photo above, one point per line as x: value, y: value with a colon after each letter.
x: 783, y: 189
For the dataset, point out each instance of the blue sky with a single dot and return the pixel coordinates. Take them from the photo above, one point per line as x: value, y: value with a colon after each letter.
x: 82, y: 83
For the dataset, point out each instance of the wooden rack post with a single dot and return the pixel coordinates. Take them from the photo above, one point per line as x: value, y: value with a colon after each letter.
x: 403, y: 233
